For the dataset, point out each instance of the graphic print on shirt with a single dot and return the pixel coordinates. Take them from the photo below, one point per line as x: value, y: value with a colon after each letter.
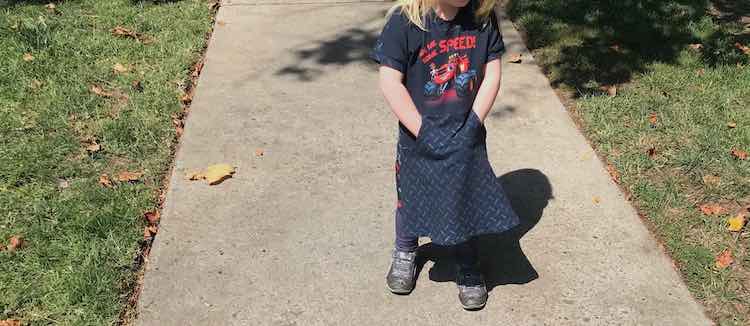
x: 453, y: 79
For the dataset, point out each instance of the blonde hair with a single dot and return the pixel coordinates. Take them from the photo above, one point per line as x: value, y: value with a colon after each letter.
x: 416, y: 10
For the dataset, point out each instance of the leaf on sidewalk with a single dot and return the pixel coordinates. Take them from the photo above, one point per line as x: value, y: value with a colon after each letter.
x: 736, y: 223
x: 214, y: 174
x: 515, y: 58
x: 259, y: 152
x: 724, y: 259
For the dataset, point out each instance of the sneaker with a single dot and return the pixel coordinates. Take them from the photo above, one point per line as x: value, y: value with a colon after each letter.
x: 472, y: 291
x: 402, y: 274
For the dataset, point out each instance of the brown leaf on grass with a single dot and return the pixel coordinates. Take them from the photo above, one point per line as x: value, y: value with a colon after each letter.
x: 187, y: 98
x: 51, y: 6
x: 724, y: 259
x: 744, y: 48
x: 36, y: 84
x: 93, y: 148
x: 63, y: 184
x: 118, y: 68
x: 653, y: 118
x: 105, y: 181
x: 739, y: 154
x: 731, y: 125
x: 152, y: 217
x: 700, y: 72
x: 611, y: 90
x: 696, y: 46
x: 10, y: 322
x: 711, y: 180
x: 736, y: 222
x: 28, y: 57
x: 14, y: 243
x: 259, y: 152
x: 651, y: 151
x: 98, y: 90
x: 515, y: 58
x: 125, y: 32
x: 127, y: 176
x: 613, y: 173
x: 136, y: 85
x: 712, y: 209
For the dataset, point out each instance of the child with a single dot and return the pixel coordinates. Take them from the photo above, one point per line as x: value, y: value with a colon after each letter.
x: 440, y: 74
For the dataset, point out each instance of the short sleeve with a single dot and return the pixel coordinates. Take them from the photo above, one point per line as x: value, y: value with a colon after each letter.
x: 391, y: 47
x: 495, y: 44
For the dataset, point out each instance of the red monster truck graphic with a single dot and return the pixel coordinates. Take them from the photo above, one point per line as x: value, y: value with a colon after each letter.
x: 457, y: 69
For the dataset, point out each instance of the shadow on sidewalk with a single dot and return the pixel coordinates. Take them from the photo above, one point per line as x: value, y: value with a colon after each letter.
x: 501, y: 255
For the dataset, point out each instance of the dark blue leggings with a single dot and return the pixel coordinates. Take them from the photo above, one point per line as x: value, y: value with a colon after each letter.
x: 466, y: 253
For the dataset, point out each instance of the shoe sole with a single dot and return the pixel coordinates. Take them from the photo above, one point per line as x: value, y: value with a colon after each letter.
x: 472, y: 308
x: 395, y: 291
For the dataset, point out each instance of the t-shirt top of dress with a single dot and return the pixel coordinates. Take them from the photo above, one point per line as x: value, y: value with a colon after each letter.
x: 443, y: 66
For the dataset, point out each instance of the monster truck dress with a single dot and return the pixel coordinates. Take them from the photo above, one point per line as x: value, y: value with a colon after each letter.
x: 446, y: 188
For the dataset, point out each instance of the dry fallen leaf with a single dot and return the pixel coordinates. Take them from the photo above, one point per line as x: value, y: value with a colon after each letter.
x: 126, y: 176
x: 740, y: 154
x: 51, y: 6
x: 611, y: 90
x: 596, y: 200
x: 98, y: 90
x: 515, y: 58
x: 711, y: 180
x: 124, y: 32
x: 744, y: 48
x: 651, y: 151
x: 220, y: 22
x: 197, y: 69
x: 118, y: 68
x: 15, y: 242
x: 613, y: 173
x: 724, y: 259
x: 731, y: 124
x: 63, y: 184
x: 217, y: 173
x: 35, y: 84
x: 10, y: 322
x: 105, y: 181
x: 736, y: 223
x: 93, y: 147
x: 137, y: 86
x: 152, y: 217
x: 712, y: 209
x: 652, y: 118
x: 150, y: 231
x: 187, y: 98
x: 259, y: 152
x: 214, y: 174
x: 700, y: 72
x: 696, y: 46
x: 28, y: 57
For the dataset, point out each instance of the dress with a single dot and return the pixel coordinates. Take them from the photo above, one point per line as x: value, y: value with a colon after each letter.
x: 446, y: 188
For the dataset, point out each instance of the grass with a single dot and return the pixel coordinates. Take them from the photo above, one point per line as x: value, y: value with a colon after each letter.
x: 81, y: 238
x: 642, y: 47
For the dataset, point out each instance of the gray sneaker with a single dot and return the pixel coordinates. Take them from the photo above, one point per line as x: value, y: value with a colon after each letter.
x: 472, y: 292
x: 402, y: 274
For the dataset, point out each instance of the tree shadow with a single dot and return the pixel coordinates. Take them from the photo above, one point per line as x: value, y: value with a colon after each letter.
x: 501, y: 256
x: 350, y: 46
x: 606, y: 42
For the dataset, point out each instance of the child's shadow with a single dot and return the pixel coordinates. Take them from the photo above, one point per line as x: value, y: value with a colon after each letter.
x: 502, y: 259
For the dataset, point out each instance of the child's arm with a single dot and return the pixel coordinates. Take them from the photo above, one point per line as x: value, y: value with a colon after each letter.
x: 399, y: 100
x: 488, y: 89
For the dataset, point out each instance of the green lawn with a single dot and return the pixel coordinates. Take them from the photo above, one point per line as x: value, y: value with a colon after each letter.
x: 667, y: 131
x: 81, y: 238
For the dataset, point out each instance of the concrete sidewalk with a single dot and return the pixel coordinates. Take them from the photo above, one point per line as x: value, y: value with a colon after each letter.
x: 302, y: 235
